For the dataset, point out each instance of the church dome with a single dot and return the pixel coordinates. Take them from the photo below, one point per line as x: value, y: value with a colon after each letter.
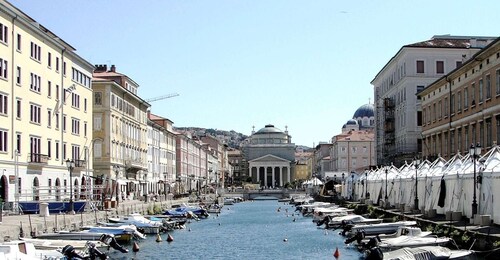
x: 269, y: 129
x: 351, y: 122
x: 366, y: 110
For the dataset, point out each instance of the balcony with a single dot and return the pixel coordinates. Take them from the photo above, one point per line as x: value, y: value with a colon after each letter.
x: 388, y: 103
x: 80, y: 164
x: 37, y: 158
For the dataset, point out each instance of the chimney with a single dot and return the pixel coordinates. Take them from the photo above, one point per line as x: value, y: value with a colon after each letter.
x: 113, y: 68
x: 101, y: 68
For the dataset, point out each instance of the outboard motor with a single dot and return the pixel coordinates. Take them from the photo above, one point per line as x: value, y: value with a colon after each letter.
x: 375, y: 253
x: 111, y: 241
x: 346, y: 229
x: 324, y: 220
x: 95, y: 253
x: 360, y: 235
x: 70, y: 252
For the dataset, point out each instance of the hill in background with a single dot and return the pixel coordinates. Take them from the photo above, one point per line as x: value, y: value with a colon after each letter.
x: 232, y: 138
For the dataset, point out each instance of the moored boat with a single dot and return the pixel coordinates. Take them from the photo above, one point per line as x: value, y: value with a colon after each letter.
x: 376, y: 229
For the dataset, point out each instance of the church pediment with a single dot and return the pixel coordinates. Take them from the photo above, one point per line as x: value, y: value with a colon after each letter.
x: 269, y: 158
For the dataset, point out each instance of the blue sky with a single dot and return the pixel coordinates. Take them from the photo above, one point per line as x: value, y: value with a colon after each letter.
x: 237, y: 64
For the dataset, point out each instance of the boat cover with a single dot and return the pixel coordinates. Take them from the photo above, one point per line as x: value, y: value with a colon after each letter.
x: 419, y: 253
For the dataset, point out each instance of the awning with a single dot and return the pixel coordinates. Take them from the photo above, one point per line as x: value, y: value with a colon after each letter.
x: 122, y: 182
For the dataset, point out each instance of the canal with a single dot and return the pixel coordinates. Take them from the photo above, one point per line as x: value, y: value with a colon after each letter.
x: 248, y: 230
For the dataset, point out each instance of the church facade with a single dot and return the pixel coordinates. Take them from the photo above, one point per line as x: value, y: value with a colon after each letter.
x: 270, y: 154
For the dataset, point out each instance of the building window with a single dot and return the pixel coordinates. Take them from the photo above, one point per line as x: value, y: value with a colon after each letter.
x: 75, y: 100
x: 18, y: 109
x: 458, y: 64
x: 49, y: 150
x: 481, y: 94
x: 498, y: 81
x: 49, y: 89
x: 85, y: 104
x: 489, y: 138
x: 488, y: 86
x: 35, y: 114
x: 481, y: 132
x: 420, y: 66
x: 57, y: 150
x: 440, y: 67
x: 452, y: 104
x: 49, y: 118
x: 64, y: 68
x: 3, y: 68
x: 466, y: 98
x: 57, y: 64
x: 459, y: 101
x: 18, y: 75
x: 3, y: 140
x: 3, y: 104
x: 75, y: 126
x: 64, y: 125
x: 85, y: 129
x: 49, y: 60
x: 459, y: 138
x: 466, y: 135
x: 18, y: 45
x: 98, y: 97
x: 18, y: 142
x: 57, y: 92
x: 473, y: 95
x: 36, y: 52
x: 57, y: 120
x: 35, y: 83
x: 4, y: 32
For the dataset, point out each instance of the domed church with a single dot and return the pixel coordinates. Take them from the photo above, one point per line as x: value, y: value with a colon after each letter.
x: 270, y: 154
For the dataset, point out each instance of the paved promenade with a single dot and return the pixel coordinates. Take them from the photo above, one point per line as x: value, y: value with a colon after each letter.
x: 10, y: 226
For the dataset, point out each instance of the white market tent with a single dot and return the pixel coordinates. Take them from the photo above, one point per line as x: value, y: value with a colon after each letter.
x: 441, y: 185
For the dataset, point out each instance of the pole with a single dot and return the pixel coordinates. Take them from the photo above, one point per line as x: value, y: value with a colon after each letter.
x: 386, y: 197
x: 474, y: 202
x: 366, y: 185
x: 416, y: 185
x: 16, y: 185
x: 71, y: 206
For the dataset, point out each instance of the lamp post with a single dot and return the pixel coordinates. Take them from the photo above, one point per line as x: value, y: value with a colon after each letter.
x: 417, y: 163
x: 116, y: 169
x: 386, y: 197
x: 352, y: 186
x: 366, y: 185
x: 475, y: 152
x: 165, y: 184
x: 71, y: 165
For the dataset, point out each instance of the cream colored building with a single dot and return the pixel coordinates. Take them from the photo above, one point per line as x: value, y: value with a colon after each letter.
x: 120, y: 134
x: 161, y: 155
x: 45, y: 112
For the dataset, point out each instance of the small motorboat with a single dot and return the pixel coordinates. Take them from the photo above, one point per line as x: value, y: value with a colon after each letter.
x: 52, y: 244
x: 183, y: 212
x: 403, y: 231
x: 19, y: 249
x: 417, y: 253
x: 143, y: 224
x: 376, y: 229
x: 342, y: 221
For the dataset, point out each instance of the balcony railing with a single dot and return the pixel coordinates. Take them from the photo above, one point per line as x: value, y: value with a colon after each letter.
x: 80, y: 163
x: 38, y: 158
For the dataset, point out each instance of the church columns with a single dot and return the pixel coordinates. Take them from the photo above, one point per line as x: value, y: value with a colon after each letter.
x: 273, y: 178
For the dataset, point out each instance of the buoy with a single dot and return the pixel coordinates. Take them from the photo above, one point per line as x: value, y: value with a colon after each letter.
x: 189, y: 230
x: 336, y: 254
x: 135, y: 248
x: 158, y: 238
x: 285, y: 240
x: 170, y: 238
x: 219, y: 224
x: 293, y: 219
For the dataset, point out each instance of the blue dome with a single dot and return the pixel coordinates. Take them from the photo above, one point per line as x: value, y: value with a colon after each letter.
x: 352, y: 122
x: 366, y: 110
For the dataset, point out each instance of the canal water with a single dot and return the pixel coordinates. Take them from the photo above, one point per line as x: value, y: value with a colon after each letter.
x: 247, y: 230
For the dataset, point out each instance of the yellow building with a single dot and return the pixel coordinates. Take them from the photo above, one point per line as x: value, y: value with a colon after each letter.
x: 45, y: 112
x: 120, y: 134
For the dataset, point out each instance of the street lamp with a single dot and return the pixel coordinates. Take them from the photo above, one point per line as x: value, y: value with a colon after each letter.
x: 475, y: 152
x: 366, y: 185
x: 386, y: 197
x: 71, y: 165
x: 165, y: 184
x: 352, y: 185
x: 116, y: 169
x: 417, y: 163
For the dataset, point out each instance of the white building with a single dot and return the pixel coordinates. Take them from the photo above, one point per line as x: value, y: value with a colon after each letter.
x: 397, y: 110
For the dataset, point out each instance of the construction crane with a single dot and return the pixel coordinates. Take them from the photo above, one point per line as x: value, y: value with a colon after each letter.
x: 171, y: 95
